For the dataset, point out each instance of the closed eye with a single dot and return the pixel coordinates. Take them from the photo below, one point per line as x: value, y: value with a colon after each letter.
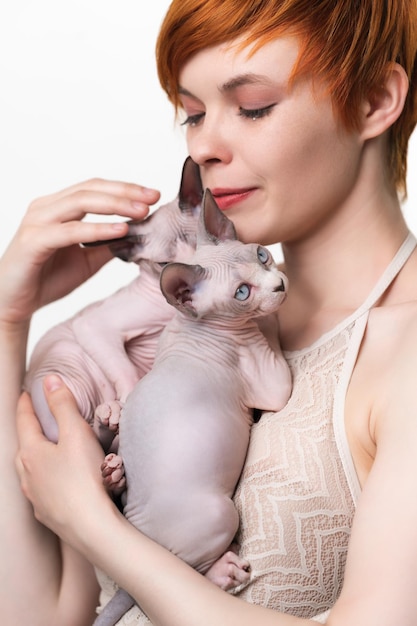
x: 242, y: 292
x: 193, y: 120
x: 256, y: 114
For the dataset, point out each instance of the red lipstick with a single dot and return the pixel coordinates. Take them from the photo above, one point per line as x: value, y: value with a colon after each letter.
x: 227, y: 198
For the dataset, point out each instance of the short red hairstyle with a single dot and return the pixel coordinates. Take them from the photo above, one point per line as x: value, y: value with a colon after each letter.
x: 348, y: 43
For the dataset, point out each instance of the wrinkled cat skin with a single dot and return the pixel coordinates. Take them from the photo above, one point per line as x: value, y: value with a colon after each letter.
x: 184, y: 429
x: 107, y: 347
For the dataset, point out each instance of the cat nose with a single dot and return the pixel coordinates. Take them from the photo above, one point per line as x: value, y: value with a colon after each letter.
x: 280, y: 287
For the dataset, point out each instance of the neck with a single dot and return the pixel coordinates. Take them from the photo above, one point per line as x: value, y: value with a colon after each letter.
x: 332, y: 271
x: 218, y: 323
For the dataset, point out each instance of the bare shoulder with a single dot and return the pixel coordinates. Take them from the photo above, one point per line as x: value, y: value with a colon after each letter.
x: 389, y: 356
x: 392, y: 333
x: 384, y: 381
x: 382, y: 429
x: 394, y: 328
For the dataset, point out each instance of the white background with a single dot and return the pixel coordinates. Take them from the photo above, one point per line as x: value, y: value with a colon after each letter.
x: 79, y: 97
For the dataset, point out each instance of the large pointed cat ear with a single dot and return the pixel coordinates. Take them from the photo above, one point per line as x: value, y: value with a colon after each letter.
x: 191, y: 188
x: 213, y: 225
x: 178, y: 281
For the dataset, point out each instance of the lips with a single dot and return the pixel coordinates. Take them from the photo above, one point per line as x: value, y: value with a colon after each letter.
x: 228, y: 198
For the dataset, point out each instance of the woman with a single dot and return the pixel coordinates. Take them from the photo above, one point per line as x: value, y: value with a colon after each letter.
x: 299, y: 117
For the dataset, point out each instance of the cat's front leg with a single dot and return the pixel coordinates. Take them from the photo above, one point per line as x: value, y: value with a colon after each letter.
x: 230, y: 570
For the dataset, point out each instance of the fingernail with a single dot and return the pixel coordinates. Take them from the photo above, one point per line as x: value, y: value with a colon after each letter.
x: 119, y: 227
x: 140, y: 207
x: 149, y: 191
x: 52, y: 382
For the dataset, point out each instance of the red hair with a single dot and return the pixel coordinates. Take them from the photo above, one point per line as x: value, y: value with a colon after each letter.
x: 348, y: 43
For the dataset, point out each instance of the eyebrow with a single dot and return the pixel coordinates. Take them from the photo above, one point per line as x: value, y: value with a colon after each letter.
x: 245, y: 79
x: 235, y: 83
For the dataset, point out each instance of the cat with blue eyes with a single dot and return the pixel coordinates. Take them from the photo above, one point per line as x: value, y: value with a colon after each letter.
x: 184, y: 430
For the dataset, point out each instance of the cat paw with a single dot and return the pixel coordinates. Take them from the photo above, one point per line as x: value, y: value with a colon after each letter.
x: 113, y: 474
x: 107, y: 415
x: 229, y: 571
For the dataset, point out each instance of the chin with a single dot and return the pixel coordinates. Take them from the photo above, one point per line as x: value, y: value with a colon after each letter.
x: 254, y: 230
x: 248, y: 235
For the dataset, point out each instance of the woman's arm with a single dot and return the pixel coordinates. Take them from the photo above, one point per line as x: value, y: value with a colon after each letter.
x: 170, y: 592
x: 40, y: 576
x: 382, y: 561
x: 381, y: 570
x: 64, y: 483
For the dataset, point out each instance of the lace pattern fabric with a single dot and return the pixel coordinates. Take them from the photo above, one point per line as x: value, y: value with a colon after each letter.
x: 293, y: 499
x: 297, y: 494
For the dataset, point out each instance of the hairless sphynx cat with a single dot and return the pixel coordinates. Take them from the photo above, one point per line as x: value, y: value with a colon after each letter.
x: 184, y: 429
x: 106, y: 348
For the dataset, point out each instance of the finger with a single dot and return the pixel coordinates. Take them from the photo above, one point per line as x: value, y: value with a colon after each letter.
x: 108, y: 199
x: 63, y: 407
x: 62, y: 235
x: 112, y: 187
x: 41, y: 242
x: 129, y: 237
x: 82, y: 203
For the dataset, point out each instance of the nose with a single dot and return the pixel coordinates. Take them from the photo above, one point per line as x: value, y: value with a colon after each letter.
x: 280, y: 287
x: 208, y: 142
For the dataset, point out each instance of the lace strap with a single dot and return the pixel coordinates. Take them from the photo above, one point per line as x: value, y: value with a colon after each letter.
x: 361, y: 319
x: 389, y: 274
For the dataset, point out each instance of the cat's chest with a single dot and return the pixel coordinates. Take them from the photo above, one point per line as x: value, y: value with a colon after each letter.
x: 202, y: 341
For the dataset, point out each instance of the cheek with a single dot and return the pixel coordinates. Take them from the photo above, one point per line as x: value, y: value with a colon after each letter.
x: 305, y: 181
x: 313, y: 163
x: 296, y: 149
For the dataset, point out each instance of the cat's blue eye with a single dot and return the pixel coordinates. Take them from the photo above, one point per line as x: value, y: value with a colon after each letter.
x: 242, y: 292
x: 263, y: 255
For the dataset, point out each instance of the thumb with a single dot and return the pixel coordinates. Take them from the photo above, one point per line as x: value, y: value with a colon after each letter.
x: 62, y: 403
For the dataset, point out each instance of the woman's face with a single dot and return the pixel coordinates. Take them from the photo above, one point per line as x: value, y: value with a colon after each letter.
x: 275, y: 158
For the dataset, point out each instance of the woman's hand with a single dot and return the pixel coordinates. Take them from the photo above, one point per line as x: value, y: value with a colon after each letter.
x: 44, y: 261
x: 62, y: 481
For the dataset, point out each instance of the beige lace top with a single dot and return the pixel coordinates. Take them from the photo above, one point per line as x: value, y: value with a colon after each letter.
x: 297, y: 494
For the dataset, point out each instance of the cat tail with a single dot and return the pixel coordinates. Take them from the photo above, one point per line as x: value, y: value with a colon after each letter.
x: 115, y: 609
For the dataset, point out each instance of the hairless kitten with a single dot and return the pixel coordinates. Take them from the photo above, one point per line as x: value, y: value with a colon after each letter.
x: 184, y: 429
x: 106, y: 348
